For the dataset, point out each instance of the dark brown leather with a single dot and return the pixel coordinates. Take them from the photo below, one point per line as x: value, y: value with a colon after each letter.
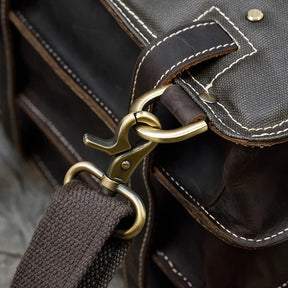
x: 95, y: 74
x: 176, y: 100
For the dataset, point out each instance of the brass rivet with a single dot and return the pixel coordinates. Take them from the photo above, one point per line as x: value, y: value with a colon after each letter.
x: 126, y: 165
x: 255, y: 15
x: 207, y: 97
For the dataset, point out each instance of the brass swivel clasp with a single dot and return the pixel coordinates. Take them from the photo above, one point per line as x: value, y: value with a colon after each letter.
x: 125, y: 157
x: 122, y: 165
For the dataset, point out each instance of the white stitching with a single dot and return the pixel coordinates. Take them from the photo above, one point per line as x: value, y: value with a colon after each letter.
x: 172, y: 266
x: 128, y: 19
x: 251, y: 129
x: 208, y: 86
x: 137, y: 19
x: 189, y: 58
x: 214, y: 219
x: 272, y: 133
x: 52, y: 128
x: 215, y: 115
x: 221, y: 105
x: 64, y: 65
x: 283, y: 285
x: 156, y: 45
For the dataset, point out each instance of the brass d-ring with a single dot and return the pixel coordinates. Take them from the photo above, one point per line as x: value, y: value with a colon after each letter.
x: 160, y: 135
x: 126, y: 192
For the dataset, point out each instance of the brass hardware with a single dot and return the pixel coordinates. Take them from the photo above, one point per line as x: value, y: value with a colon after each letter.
x: 126, y: 165
x: 208, y: 98
x: 123, y: 164
x: 255, y: 15
x: 82, y: 166
x: 125, y: 158
x: 173, y: 135
x: 164, y: 136
x: 120, y: 143
x: 140, y: 213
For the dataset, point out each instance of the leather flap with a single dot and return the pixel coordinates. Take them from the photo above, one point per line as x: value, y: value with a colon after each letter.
x: 250, y: 85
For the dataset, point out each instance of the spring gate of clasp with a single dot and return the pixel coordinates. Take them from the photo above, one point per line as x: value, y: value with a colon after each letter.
x: 126, y: 158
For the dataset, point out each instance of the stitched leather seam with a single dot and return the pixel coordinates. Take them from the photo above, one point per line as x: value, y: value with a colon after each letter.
x: 137, y: 18
x: 189, y: 58
x: 174, y: 270
x: 214, y: 219
x: 130, y: 22
x: 208, y: 86
x: 64, y: 65
x: 159, y: 43
x: 283, y: 285
x: 47, y: 173
x: 141, y: 253
x: 52, y: 128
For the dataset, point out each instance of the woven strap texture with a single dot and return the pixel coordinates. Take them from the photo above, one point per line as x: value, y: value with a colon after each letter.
x: 73, y: 246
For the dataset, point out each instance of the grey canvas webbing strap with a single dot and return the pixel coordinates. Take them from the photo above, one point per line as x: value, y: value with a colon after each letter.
x: 72, y: 246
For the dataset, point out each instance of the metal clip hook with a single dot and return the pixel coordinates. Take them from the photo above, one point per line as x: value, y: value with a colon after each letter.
x: 122, y: 165
x: 126, y: 158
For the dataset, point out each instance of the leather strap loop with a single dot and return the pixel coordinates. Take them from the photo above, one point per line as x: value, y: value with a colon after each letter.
x: 178, y: 50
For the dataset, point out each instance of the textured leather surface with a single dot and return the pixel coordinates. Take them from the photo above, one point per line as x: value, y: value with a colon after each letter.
x: 238, y: 113
x: 205, y: 261
x: 201, y: 172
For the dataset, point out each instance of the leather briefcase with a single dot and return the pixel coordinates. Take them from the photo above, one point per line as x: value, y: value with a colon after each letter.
x: 216, y: 202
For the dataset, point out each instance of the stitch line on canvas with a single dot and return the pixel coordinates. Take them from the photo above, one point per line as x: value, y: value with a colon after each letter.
x: 159, y: 43
x: 208, y: 86
x: 130, y: 22
x: 234, y: 120
x: 283, y: 285
x: 137, y: 18
x: 189, y: 58
x: 251, y: 129
x: 174, y: 270
x: 221, y: 105
x: 64, y: 65
x: 214, y: 219
x: 269, y: 134
x: 212, y: 111
x: 52, y: 128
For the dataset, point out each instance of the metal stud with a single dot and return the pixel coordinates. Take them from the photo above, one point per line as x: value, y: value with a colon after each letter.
x: 126, y: 165
x: 255, y: 15
x: 208, y: 98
